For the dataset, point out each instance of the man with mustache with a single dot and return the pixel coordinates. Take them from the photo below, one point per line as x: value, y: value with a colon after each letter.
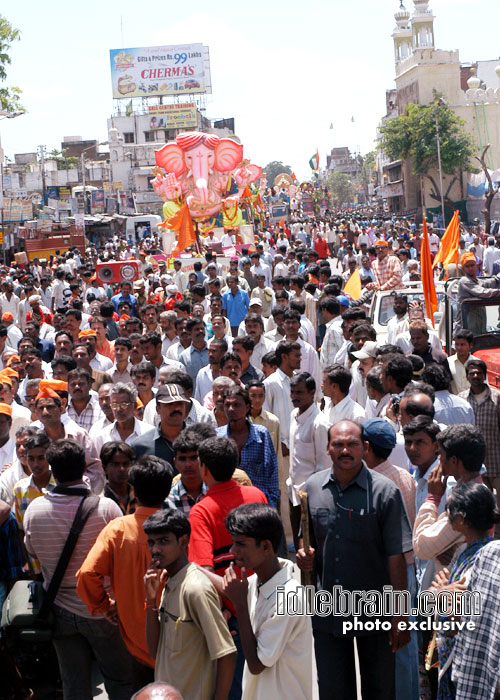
x: 196, y: 355
x: 172, y: 407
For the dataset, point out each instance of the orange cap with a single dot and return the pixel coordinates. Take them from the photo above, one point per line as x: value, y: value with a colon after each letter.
x: 6, y: 409
x: 47, y: 393
x: 467, y: 257
x: 7, y: 316
x: 381, y: 242
x: 54, y: 384
x: 87, y: 333
x: 13, y: 358
x: 125, y: 317
x: 9, y: 372
x: 5, y: 379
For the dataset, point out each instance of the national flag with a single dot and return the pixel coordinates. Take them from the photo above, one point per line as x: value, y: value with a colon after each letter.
x: 353, y: 285
x: 314, y: 161
x: 450, y: 243
x: 430, y: 297
x: 182, y: 222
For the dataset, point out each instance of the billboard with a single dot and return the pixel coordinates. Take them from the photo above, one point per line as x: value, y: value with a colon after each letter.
x: 154, y: 71
x: 176, y: 116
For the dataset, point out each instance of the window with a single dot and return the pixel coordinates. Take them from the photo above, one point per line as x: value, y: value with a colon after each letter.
x: 128, y: 137
x: 149, y: 136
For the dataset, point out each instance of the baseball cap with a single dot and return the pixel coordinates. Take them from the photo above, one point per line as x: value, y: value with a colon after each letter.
x: 343, y: 300
x: 6, y: 409
x: 380, y: 432
x: 170, y: 393
x: 368, y: 350
x: 255, y: 302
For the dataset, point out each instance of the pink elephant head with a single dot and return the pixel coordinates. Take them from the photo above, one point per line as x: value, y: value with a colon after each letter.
x: 197, y: 155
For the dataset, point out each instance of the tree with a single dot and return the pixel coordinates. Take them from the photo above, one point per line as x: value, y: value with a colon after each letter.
x: 9, y: 97
x: 340, y: 188
x: 275, y: 167
x: 64, y: 162
x: 490, y: 192
x: 413, y: 135
x: 366, y: 172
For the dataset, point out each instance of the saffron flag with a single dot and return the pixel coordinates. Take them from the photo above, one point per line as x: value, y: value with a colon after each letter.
x: 430, y: 297
x: 353, y: 285
x: 448, y: 251
x: 294, y: 177
x: 314, y: 161
x: 246, y: 192
x: 282, y: 222
x: 182, y: 222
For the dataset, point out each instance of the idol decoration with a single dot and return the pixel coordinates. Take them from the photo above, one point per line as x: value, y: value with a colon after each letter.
x: 203, y: 176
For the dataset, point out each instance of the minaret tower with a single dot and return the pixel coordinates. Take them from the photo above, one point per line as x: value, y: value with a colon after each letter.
x: 422, y: 23
x: 402, y: 34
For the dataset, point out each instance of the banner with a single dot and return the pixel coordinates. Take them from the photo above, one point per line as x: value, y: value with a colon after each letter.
x: 158, y: 70
x: 16, y: 209
x: 98, y: 202
x: 176, y: 116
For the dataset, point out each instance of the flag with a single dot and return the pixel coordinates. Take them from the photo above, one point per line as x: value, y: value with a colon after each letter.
x: 448, y: 251
x: 353, y: 285
x: 246, y: 192
x: 182, y: 222
x: 294, y: 177
x: 430, y: 297
x: 282, y: 222
x: 331, y: 125
x: 314, y: 161
x: 128, y: 109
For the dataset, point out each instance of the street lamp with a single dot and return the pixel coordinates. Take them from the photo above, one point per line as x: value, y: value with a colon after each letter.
x: 4, y: 115
x: 440, y: 103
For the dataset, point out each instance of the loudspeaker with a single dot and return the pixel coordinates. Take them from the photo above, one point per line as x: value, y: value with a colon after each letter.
x: 118, y: 271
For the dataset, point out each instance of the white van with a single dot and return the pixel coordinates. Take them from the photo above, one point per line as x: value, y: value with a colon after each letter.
x: 138, y: 227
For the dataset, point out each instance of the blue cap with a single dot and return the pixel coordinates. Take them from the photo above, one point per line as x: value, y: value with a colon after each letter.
x: 380, y: 432
x: 343, y: 300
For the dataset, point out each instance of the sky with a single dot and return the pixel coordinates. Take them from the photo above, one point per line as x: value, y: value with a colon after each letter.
x: 285, y: 71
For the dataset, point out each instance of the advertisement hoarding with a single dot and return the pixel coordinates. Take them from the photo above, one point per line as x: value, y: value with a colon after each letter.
x: 158, y: 70
x: 176, y: 116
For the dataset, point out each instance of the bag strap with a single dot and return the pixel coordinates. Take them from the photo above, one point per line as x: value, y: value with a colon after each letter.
x: 87, y: 505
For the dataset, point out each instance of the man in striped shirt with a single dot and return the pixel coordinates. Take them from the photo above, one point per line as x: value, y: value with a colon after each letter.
x: 46, y: 524
x: 387, y: 269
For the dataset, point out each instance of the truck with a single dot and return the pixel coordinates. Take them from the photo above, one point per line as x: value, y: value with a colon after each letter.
x: 142, y: 225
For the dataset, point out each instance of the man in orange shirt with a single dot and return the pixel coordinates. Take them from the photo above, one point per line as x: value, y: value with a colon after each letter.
x: 121, y: 552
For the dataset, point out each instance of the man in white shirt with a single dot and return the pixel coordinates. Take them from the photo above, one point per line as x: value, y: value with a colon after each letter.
x: 310, y: 360
x: 125, y: 426
x: 462, y: 340
x: 100, y: 363
x: 14, y: 335
x: 490, y: 255
x: 400, y: 307
x: 7, y: 444
x: 308, y: 437
x: 259, y: 267
x: 338, y: 404
x: 254, y: 326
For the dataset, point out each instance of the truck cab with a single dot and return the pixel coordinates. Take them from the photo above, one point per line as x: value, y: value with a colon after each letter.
x: 482, y: 318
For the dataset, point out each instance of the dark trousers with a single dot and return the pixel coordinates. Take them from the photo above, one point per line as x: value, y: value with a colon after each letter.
x: 295, y: 523
x: 236, y: 686
x: 336, y: 669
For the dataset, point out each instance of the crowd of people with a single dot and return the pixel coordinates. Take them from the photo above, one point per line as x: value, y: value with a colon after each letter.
x: 246, y: 431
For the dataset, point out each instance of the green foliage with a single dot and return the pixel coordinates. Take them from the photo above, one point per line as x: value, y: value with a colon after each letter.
x: 64, y: 162
x: 414, y: 136
x: 10, y: 98
x: 274, y: 168
x: 341, y: 189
